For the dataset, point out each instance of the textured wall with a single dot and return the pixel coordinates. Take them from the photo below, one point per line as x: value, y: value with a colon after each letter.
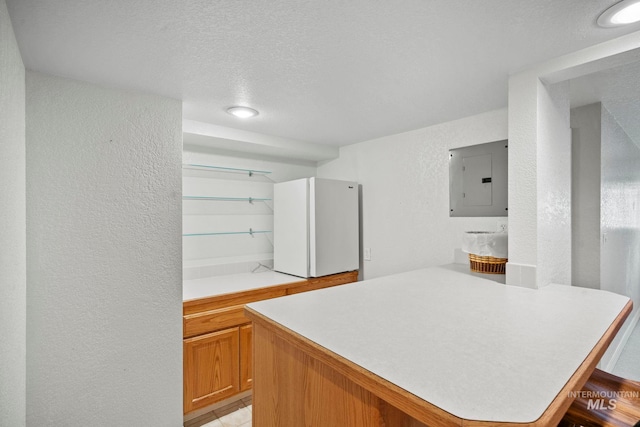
x: 12, y: 228
x: 606, y: 215
x: 523, y: 231
x: 554, y: 185
x: 103, y: 243
x: 405, y: 192
x: 539, y: 182
x: 206, y: 256
x: 620, y: 218
x: 585, y: 196
x: 524, y: 126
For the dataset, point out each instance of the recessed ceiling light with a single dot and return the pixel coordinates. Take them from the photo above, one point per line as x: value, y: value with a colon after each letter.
x: 242, y: 112
x: 625, y: 12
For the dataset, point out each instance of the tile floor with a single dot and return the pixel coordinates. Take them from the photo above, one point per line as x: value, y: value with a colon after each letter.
x: 238, y: 414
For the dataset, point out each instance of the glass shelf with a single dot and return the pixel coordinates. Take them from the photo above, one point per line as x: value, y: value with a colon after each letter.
x: 251, y: 172
x: 220, y: 233
x: 227, y: 199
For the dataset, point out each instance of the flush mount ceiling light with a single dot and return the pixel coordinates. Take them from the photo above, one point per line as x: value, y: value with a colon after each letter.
x: 242, y: 112
x: 625, y: 12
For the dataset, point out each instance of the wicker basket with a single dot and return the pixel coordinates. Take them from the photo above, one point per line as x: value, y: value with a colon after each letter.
x: 487, y: 264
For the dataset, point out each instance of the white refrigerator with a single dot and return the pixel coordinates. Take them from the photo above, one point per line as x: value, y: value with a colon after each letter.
x: 315, y: 227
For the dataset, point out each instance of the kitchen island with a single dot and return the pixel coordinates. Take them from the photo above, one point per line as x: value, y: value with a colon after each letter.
x: 429, y: 347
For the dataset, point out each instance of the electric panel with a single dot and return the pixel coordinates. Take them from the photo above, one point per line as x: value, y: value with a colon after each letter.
x: 478, y: 180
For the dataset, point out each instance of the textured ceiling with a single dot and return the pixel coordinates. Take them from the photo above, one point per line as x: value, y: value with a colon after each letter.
x: 325, y: 71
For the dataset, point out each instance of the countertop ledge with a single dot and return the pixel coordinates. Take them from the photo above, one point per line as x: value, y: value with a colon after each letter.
x: 227, y: 284
x: 213, y: 286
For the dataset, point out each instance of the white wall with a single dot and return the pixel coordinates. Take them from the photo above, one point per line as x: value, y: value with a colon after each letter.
x: 606, y: 216
x: 620, y: 219
x: 205, y: 256
x: 405, y: 192
x: 12, y: 227
x: 104, y: 260
x: 620, y: 210
x: 523, y: 180
x: 539, y: 182
x: 527, y: 116
x: 585, y: 212
x: 554, y: 185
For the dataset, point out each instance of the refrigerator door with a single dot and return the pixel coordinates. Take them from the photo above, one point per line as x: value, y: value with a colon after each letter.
x: 334, y: 232
x: 290, y: 227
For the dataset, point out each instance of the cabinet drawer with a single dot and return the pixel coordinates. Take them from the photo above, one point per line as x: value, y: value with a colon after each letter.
x: 213, y: 320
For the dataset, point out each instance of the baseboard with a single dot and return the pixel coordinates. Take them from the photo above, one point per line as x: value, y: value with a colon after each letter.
x: 202, y: 411
x: 623, y: 341
x: 523, y: 275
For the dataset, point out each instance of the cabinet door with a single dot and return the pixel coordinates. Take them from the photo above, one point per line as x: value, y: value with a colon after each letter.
x: 246, y: 357
x: 210, y: 368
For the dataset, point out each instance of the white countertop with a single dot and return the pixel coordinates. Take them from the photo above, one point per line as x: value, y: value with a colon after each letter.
x: 475, y: 348
x: 220, y: 285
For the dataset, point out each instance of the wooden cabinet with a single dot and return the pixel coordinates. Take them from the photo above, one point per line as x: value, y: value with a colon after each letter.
x: 210, y: 367
x: 218, y: 358
x: 246, y: 357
